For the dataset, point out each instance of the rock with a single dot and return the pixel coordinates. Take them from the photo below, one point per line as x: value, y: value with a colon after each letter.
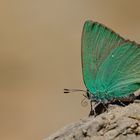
x: 119, y: 123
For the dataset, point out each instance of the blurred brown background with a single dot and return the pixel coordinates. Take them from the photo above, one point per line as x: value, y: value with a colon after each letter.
x: 40, y: 55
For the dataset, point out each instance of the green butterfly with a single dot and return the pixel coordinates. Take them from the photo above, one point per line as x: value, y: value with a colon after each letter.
x: 110, y: 64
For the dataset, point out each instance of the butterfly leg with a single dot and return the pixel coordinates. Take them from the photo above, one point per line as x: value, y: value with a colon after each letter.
x: 105, y: 107
x: 92, y: 110
x: 121, y: 103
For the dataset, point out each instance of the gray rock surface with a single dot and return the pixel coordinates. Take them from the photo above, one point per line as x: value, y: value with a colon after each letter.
x: 119, y: 123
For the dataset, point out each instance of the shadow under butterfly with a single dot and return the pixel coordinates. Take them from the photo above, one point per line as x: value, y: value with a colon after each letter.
x: 110, y: 66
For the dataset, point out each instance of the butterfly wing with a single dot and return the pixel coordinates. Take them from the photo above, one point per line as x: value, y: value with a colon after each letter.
x: 97, y: 43
x: 119, y: 75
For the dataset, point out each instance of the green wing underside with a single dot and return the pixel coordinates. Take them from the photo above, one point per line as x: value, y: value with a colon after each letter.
x: 110, y: 64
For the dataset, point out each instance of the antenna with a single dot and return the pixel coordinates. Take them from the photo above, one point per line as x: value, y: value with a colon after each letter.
x: 74, y: 90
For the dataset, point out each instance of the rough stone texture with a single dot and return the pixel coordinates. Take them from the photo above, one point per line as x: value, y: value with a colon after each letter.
x: 119, y: 123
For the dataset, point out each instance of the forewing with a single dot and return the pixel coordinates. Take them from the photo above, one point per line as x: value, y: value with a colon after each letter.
x: 97, y: 43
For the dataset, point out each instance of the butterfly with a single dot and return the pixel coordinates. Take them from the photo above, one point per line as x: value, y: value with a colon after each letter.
x: 110, y: 65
